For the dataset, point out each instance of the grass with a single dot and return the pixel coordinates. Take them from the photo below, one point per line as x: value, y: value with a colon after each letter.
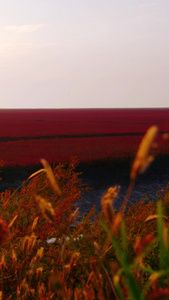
x: 119, y: 255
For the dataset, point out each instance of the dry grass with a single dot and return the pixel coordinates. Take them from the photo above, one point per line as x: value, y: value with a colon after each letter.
x: 94, y: 261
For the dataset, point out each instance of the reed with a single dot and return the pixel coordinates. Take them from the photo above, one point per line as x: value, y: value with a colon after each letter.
x: 120, y: 255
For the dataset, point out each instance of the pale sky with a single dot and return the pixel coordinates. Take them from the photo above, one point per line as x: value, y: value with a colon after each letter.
x: 84, y: 53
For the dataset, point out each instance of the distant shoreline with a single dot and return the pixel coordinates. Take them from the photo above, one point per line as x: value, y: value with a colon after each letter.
x: 83, y: 109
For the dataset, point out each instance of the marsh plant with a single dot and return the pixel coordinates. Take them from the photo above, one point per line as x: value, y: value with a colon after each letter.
x: 46, y: 254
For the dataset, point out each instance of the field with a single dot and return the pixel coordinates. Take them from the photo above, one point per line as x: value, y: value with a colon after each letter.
x: 28, y: 135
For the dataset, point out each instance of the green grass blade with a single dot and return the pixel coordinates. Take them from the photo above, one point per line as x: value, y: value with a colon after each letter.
x: 145, y: 269
x: 160, y: 236
x: 134, y: 289
x: 123, y: 235
x: 120, y: 293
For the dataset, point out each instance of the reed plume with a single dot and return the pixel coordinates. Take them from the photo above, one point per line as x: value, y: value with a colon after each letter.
x: 51, y: 177
x: 107, y: 202
x: 143, y: 157
x: 45, y: 208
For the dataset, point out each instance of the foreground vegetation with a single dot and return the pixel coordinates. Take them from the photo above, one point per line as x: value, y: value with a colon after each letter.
x: 46, y: 254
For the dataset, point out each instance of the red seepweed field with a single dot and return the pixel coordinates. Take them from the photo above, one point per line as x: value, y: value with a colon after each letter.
x: 90, y: 134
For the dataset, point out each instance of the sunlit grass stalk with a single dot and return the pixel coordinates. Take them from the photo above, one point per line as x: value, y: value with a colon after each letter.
x: 110, y: 281
x: 127, y: 196
x: 141, y: 162
x: 63, y: 250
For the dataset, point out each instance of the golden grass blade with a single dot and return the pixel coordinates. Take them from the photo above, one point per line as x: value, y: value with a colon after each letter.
x: 2, y: 263
x: 29, y: 243
x: 74, y: 259
x: 13, y: 220
x: 153, y: 277
x: 35, y: 221
x: 150, y: 218
x: 107, y: 250
x: 36, y: 173
x: 73, y: 216
x: 153, y: 217
x: 40, y: 253
x: 14, y: 258
x: 39, y: 273
x: 51, y: 176
x: 97, y: 248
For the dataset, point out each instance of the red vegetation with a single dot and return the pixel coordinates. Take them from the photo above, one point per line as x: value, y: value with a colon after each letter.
x: 28, y: 135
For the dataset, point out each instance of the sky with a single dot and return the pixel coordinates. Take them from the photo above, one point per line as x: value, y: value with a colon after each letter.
x: 84, y: 53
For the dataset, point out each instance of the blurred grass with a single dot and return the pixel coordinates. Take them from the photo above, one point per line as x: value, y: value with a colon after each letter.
x: 107, y: 256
